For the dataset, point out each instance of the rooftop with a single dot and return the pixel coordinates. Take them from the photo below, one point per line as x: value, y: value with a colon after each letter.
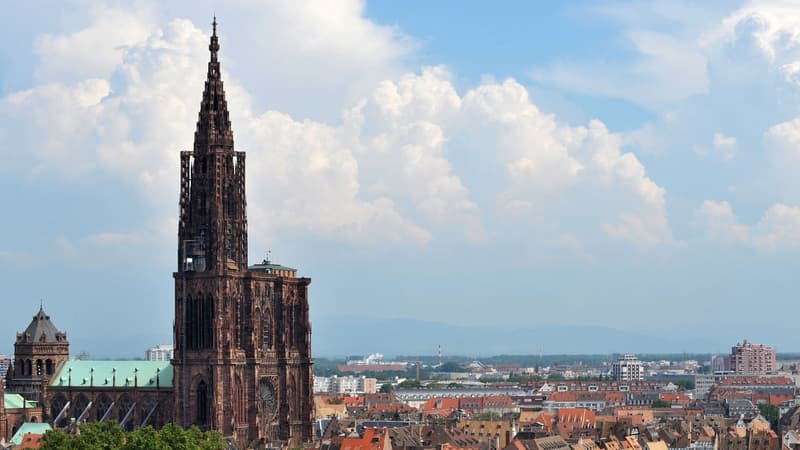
x: 41, y: 330
x: 30, y: 428
x: 272, y: 268
x: 16, y: 401
x: 111, y: 374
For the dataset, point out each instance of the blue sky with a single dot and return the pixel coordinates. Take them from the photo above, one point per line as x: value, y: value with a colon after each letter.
x: 622, y: 164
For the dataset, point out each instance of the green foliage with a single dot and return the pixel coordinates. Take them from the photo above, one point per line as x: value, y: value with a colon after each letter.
x: 488, y: 416
x: 661, y: 404
x: 771, y: 413
x: 387, y: 388
x: 407, y: 384
x: 109, y: 435
x: 451, y: 366
x: 687, y: 385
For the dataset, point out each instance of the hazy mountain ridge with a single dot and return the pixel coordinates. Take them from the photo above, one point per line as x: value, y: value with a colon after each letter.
x: 347, y: 335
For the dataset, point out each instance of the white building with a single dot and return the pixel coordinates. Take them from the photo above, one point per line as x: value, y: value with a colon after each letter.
x: 163, y: 352
x: 344, y: 385
x: 627, y: 368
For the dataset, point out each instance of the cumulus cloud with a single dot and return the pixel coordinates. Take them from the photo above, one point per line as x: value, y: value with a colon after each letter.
x: 778, y: 229
x: 402, y: 163
x: 783, y: 153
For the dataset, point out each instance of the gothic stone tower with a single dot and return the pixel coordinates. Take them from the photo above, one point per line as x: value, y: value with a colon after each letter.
x: 38, y: 352
x: 242, y: 335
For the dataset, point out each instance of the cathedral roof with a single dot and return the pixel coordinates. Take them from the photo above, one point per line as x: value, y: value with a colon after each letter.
x: 270, y: 267
x: 16, y: 401
x: 119, y: 374
x: 42, y: 330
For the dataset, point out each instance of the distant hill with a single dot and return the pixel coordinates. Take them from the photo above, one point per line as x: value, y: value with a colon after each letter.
x: 335, y: 336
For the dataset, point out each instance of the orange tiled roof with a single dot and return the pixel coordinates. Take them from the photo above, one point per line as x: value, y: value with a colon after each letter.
x: 31, y: 440
x: 440, y: 406
x: 373, y: 439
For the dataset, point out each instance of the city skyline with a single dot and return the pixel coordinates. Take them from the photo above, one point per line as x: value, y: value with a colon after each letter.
x: 601, y: 165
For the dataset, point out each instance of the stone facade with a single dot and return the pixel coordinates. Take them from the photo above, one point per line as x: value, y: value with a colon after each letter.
x: 38, y: 351
x: 242, y: 335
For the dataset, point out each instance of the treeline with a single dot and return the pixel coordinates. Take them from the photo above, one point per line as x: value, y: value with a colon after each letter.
x: 109, y: 435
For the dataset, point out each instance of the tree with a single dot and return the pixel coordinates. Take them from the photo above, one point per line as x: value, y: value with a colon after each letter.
x: 387, y: 388
x: 451, y: 366
x: 409, y: 384
x: 771, y: 413
x: 661, y: 404
x: 109, y: 435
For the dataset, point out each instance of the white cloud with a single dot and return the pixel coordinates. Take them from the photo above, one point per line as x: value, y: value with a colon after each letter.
x: 783, y: 154
x: 666, y: 70
x: 404, y: 162
x: 64, y: 57
x: 718, y: 220
x: 722, y: 142
x: 722, y: 145
x: 777, y: 230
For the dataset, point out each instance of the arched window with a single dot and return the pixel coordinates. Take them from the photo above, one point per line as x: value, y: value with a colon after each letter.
x: 38, y: 367
x: 125, y: 412
x: 101, y: 407
x: 202, y: 403
x: 241, y: 402
x: 80, y: 404
x: 56, y: 405
x: 28, y: 367
x: 48, y: 367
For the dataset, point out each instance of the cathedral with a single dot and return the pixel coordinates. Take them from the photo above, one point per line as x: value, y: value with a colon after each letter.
x: 242, y: 363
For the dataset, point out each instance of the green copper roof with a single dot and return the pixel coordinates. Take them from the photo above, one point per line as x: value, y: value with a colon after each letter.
x: 111, y: 374
x: 15, y: 401
x: 269, y: 267
x: 30, y: 428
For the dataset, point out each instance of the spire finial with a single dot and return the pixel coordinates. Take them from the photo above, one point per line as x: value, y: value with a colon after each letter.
x: 213, y: 47
x: 41, y: 305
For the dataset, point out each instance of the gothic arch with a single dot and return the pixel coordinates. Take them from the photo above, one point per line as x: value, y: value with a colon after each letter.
x: 202, y: 403
x: 240, y: 406
x: 144, y: 407
x: 79, y: 403
x: 102, y: 403
x: 56, y: 405
x: 125, y: 402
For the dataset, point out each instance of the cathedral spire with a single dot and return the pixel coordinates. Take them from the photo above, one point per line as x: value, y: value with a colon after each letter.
x: 213, y: 125
x: 214, y: 46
